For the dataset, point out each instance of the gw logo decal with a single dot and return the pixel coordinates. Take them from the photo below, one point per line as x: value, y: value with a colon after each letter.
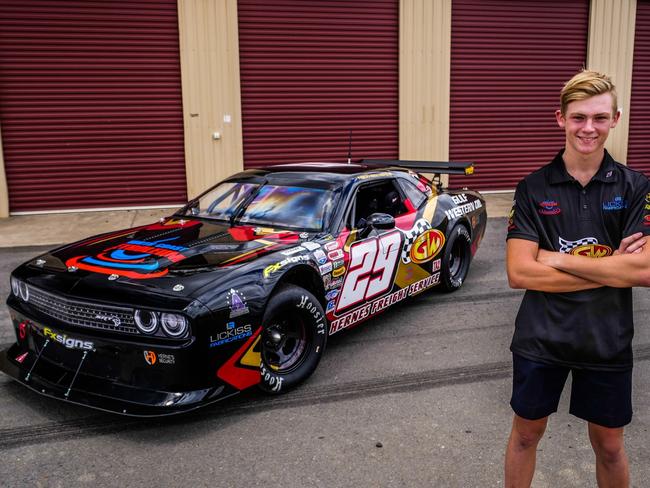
x: 427, y: 246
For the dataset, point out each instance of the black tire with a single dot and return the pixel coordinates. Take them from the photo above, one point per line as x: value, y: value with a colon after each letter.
x: 293, y: 338
x: 456, y: 259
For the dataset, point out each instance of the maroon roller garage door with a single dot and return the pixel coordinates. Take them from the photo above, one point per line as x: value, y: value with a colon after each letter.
x: 638, y: 152
x: 509, y: 60
x: 90, y: 104
x: 311, y: 72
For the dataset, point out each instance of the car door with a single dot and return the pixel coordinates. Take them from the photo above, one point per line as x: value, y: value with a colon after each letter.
x: 372, y: 251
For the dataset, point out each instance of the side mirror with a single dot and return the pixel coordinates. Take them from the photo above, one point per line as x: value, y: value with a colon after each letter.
x: 381, y: 221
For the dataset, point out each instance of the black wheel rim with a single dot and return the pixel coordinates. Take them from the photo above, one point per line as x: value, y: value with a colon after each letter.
x: 284, y: 343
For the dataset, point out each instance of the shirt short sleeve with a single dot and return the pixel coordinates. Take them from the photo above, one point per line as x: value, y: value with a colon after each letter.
x: 637, y: 218
x: 521, y: 220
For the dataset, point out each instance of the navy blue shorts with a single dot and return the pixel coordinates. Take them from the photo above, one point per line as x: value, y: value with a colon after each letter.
x: 601, y: 397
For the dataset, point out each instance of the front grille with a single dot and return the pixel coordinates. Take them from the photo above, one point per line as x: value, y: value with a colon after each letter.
x: 83, y: 314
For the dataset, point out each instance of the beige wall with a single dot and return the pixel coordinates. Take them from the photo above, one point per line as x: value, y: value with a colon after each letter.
x: 611, y: 50
x: 4, y: 194
x: 209, y: 47
x: 424, y: 67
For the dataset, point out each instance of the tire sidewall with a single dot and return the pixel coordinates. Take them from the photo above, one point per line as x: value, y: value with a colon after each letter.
x: 449, y: 282
x: 291, y: 299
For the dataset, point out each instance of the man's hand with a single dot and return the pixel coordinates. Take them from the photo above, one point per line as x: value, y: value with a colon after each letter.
x: 631, y: 244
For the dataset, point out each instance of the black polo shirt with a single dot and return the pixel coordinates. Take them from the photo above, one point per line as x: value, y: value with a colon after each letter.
x: 590, y: 329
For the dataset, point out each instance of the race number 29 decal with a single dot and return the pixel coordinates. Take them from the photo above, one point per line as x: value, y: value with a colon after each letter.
x: 372, y: 266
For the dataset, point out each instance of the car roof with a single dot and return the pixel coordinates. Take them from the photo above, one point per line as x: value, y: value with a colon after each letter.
x: 332, y: 172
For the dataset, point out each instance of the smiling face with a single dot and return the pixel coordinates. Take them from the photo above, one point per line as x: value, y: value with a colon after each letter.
x: 587, y: 123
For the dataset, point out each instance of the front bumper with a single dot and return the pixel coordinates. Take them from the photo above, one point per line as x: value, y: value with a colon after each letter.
x: 127, y: 378
x: 56, y: 382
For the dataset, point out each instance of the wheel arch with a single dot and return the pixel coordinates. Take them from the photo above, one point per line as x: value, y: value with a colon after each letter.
x: 305, y: 277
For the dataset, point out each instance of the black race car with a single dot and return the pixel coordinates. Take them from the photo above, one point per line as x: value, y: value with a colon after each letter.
x: 241, y: 287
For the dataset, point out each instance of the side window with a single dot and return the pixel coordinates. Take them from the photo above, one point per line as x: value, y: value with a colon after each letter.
x: 411, y: 191
x: 379, y: 197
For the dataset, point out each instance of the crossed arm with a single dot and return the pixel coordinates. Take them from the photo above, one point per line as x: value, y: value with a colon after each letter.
x: 536, y: 269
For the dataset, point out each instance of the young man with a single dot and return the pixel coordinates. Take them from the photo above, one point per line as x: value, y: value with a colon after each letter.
x: 576, y: 314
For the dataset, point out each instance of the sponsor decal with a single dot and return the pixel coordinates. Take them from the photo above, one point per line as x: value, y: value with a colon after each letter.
x: 331, y: 295
x: 586, y: 246
x: 303, y: 235
x: 379, y: 304
x: 427, y: 246
x: 150, y: 357
x: 134, y: 259
x: 325, y: 268
x: 237, y: 303
x: 647, y: 206
x: 338, y: 264
x: 646, y: 220
x: 436, y: 265
x: 647, y: 198
x: 292, y: 251
x: 549, y: 207
x: 272, y: 268
x: 338, y: 272
x: 231, y: 334
x: 330, y: 306
x: 20, y: 358
x: 331, y: 246
x: 419, y: 227
x: 617, y: 204
x: 335, y: 255
x: 459, y: 211
x: 459, y: 199
x: 310, y: 246
x: 69, y: 342
x: 320, y: 256
x: 333, y: 284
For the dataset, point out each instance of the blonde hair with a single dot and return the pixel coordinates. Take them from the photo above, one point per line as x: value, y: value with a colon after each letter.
x: 587, y: 84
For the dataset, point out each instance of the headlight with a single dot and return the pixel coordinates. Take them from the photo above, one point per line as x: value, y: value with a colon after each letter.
x: 23, y: 289
x: 14, y: 286
x: 173, y: 324
x: 146, y: 321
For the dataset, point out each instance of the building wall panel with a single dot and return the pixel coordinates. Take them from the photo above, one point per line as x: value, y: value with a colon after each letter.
x: 314, y: 71
x: 509, y: 61
x: 90, y: 104
x: 638, y: 155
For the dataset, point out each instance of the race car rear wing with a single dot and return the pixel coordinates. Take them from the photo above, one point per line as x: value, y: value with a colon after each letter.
x: 437, y: 167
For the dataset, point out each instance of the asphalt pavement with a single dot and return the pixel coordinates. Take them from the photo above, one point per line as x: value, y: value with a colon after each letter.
x: 417, y: 397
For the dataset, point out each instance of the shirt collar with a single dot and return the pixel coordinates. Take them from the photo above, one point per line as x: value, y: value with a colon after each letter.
x: 606, y: 173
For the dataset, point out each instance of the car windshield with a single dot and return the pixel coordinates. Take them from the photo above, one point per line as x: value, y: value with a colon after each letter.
x: 293, y: 207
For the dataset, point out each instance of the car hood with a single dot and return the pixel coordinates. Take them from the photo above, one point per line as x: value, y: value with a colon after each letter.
x: 164, y: 255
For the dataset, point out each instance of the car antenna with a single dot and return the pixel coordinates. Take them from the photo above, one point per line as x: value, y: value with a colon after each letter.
x: 350, y: 149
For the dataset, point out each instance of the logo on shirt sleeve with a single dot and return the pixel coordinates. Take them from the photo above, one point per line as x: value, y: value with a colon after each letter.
x: 586, y: 246
x: 511, y: 216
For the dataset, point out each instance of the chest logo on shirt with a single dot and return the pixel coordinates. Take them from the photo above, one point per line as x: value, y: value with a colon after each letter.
x: 587, y: 246
x: 617, y: 204
x: 549, y: 207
